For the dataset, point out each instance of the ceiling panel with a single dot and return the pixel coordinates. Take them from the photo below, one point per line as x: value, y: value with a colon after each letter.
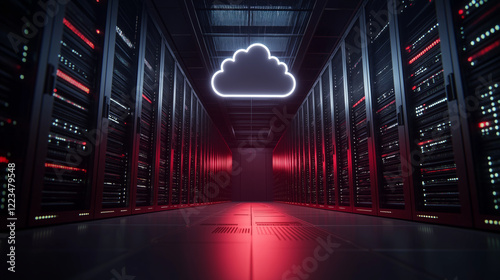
x: 301, y: 33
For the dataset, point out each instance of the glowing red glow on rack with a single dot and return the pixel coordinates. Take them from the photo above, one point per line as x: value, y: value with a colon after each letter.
x: 425, y: 142
x: 98, y: 31
x: 78, y: 33
x: 484, y: 51
x: 413, y: 87
x: 147, y: 99
x: 59, y: 166
x: 361, y: 121
x: 438, y: 170
x: 484, y: 124
x: 9, y: 120
x: 4, y: 160
x: 357, y: 103
x: 383, y: 108
x: 486, y: 14
x: 72, y: 81
x: 424, y: 51
x: 460, y: 12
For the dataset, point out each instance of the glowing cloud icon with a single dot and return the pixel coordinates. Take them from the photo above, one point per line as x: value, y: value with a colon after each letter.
x: 253, y: 73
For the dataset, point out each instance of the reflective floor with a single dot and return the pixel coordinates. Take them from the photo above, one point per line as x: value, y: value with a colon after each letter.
x: 258, y: 241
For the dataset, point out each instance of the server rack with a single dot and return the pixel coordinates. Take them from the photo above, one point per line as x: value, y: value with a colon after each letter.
x: 320, y: 140
x: 186, y: 145
x: 328, y: 132
x: 199, y: 145
x: 358, y: 121
x: 176, y: 159
x: 113, y: 190
x: 147, y: 127
x: 476, y: 34
x: 393, y: 191
x: 420, y: 116
x: 164, y: 178
x: 193, y: 150
x: 312, y: 149
x: 21, y: 55
x: 440, y: 191
x: 65, y: 163
x: 341, y: 131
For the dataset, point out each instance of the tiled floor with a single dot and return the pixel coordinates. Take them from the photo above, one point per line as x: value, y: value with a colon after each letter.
x: 258, y: 241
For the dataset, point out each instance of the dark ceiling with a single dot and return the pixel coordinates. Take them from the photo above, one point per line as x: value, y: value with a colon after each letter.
x: 300, y: 33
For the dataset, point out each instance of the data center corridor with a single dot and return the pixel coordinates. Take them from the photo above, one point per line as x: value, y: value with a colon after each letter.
x: 250, y: 139
x: 258, y: 241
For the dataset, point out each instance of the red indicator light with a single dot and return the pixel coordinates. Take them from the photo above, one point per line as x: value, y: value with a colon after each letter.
x: 484, y: 51
x: 98, y: 31
x: 147, y: 99
x: 424, y: 51
x: 413, y: 88
x: 460, y: 12
x: 438, y: 170
x: 484, y: 124
x: 357, y: 103
x: 72, y: 81
x: 381, y: 109
x: 78, y: 33
x: 4, y: 160
x: 424, y: 142
x: 58, y: 166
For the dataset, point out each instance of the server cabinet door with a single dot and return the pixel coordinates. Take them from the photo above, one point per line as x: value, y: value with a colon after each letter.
x: 393, y: 193
x: 440, y: 192
x: 177, y: 138
x: 167, y: 123
x: 342, y: 149
x: 22, y: 74
x: 199, y: 155
x: 192, y: 151
x: 186, y: 145
x: 113, y: 191
x: 302, y: 154
x: 320, y: 152
x: 65, y: 164
x: 312, y: 149
x: 307, y: 159
x: 359, y: 122
x: 147, y: 127
x: 328, y: 134
x: 476, y: 35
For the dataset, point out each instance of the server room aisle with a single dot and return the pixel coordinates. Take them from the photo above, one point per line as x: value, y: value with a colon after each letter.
x: 238, y: 241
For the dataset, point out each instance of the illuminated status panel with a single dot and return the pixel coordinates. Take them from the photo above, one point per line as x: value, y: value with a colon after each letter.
x: 318, y: 117
x: 150, y: 91
x: 193, y: 154
x: 478, y: 32
x: 177, y: 137
x: 67, y: 184
x: 328, y: 136
x: 186, y: 144
x: 17, y: 62
x: 434, y: 174
x: 121, y: 108
x: 341, y: 140
x: 359, y: 128
x: 390, y: 181
x: 166, y: 130
x: 312, y: 148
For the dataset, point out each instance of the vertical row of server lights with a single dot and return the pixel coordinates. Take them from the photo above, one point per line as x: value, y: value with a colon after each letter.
x: 111, y: 124
x: 408, y: 123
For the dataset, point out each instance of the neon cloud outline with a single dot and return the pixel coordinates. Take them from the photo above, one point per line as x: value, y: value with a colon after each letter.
x: 270, y: 57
